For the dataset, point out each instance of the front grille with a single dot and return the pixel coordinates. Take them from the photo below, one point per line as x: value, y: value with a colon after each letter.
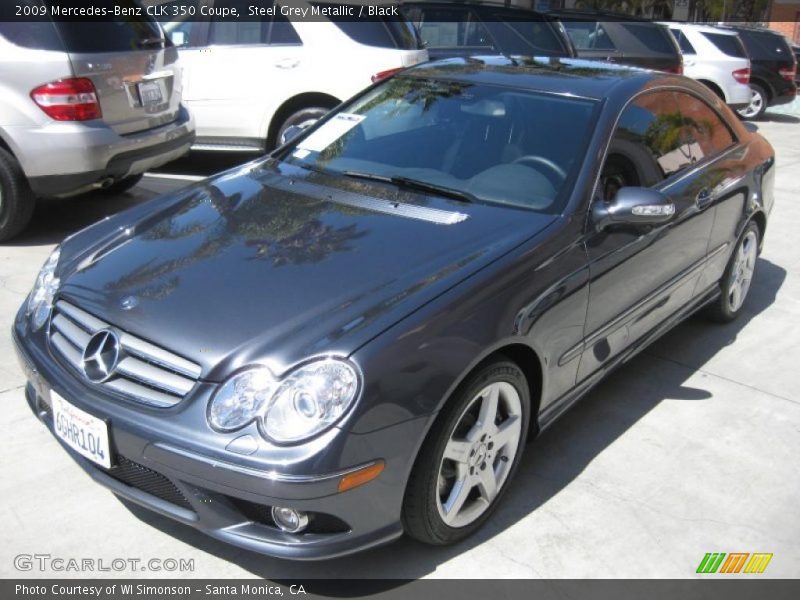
x: 144, y: 372
x: 140, y: 477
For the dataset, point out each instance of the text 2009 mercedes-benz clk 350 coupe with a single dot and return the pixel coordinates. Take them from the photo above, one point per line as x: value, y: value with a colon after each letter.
x: 353, y: 337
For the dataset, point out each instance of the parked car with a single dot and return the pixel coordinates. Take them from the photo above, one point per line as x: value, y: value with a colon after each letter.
x: 773, y: 70
x: 248, y: 81
x: 450, y: 29
x: 353, y: 338
x: 716, y: 58
x: 622, y: 39
x: 84, y: 105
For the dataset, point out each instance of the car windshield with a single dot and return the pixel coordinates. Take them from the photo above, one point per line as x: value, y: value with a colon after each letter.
x: 467, y: 140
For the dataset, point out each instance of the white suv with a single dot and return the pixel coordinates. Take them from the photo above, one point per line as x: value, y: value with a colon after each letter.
x: 716, y: 58
x: 247, y: 81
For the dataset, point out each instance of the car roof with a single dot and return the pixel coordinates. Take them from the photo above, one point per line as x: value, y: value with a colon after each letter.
x: 567, y: 76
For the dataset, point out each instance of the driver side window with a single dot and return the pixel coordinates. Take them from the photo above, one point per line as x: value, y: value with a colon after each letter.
x: 651, y: 143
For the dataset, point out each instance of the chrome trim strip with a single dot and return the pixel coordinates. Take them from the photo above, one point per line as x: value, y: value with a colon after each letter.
x: 141, y: 393
x: 159, y: 356
x: 90, y: 323
x: 154, y: 376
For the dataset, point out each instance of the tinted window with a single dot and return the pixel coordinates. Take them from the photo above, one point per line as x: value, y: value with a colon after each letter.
x: 706, y: 133
x: 503, y: 146
x: 114, y: 35
x: 449, y: 28
x: 727, y: 44
x: 232, y: 32
x: 381, y: 32
x: 588, y: 35
x: 765, y: 46
x: 651, y: 140
x: 683, y: 42
x: 653, y: 37
x: 521, y: 36
x: 37, y: 35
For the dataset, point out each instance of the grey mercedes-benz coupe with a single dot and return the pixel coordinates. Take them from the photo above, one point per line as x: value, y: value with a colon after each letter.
x: 353, y: 337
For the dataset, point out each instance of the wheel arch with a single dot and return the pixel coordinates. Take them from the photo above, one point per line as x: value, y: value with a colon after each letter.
x: 714, y: 87
x: 762, y: 83
x: 293, y: 104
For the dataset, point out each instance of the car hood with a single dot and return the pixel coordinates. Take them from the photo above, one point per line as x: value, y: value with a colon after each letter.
x: 271, y: 264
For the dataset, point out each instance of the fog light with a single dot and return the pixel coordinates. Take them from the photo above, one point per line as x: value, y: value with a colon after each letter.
x: 289, y: 519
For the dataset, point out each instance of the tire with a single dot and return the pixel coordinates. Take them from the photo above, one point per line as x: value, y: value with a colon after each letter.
x: 434, y: 512
x: 16, y: 198
x: 759, y: 101
x: 302, y: 118
x: 124, y: 184
x: 738, y: 275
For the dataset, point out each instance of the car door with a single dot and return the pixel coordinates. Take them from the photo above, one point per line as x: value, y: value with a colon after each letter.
x: 640, y: 276
x: 243, y: 63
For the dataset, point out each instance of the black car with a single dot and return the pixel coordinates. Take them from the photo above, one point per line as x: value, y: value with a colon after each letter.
x: 773, y: 68
x: 621, y: 39
x: 353, y: 337
x: 451, y: 30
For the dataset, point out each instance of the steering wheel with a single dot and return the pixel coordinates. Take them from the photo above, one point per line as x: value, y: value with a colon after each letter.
x: 541, y: 160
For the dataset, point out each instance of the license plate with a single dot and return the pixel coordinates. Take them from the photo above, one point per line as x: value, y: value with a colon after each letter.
x: 150, y: 93
x: 82, y: 432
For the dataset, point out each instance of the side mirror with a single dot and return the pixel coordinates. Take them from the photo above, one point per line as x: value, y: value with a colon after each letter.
x: 633, y: 206
x: 290, y: 133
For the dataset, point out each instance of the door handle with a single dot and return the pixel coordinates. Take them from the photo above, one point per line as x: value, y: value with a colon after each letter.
x: 703, y: 198
x: 287, y: 63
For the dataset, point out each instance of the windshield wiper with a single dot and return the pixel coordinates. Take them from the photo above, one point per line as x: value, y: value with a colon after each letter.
x: 415, y: 184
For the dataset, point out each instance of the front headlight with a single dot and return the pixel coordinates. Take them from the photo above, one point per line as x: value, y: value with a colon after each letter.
x: 308, y: 401
x: 40, y: 301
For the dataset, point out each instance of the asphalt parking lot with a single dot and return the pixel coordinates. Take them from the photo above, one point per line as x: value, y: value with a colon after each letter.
x: 691, y: 448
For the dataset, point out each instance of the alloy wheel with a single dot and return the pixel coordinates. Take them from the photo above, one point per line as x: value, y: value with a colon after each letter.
x: 741, y: 273
x: 479, y: 454
x: 756, y: 105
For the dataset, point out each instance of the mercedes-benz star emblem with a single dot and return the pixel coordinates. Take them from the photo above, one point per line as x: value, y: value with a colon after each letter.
x: 100, y: 356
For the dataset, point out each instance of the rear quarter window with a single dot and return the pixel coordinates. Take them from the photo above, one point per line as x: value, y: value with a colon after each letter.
x: 384, y: 32
x: 518, y: 35
x: 683, y: 42
x: 766, y: 46
x: 653, y: 37
x: 727, y: 44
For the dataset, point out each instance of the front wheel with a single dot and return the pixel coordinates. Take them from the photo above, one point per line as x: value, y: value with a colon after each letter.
x: 758, y: 103
x: 302, y: 118
x: 469, y: 457
x: 16, y: 198
x: 738, y: 277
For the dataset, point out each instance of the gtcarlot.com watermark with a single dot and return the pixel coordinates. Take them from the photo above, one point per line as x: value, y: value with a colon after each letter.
x: 61, y: 564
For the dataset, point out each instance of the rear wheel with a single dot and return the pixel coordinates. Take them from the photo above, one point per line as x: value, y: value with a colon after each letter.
x: 758, y: 103
x: 738, y: 277
x: 469, y: 457
x: 16, y: 198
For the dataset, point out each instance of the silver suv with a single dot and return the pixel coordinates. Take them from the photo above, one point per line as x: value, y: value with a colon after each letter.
x: 84, y: 105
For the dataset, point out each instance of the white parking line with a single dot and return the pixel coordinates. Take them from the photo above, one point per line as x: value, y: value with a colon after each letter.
x: 175, y: 176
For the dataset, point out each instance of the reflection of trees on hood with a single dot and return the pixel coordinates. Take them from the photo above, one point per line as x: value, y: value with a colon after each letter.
x: 286, y: 231
x: 312, y: 243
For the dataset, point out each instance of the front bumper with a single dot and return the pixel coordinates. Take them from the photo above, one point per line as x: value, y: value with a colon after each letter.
x: 229, y: 499
x: 63, y: 159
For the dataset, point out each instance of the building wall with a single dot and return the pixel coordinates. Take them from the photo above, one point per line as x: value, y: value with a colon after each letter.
x: 785, y: 17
